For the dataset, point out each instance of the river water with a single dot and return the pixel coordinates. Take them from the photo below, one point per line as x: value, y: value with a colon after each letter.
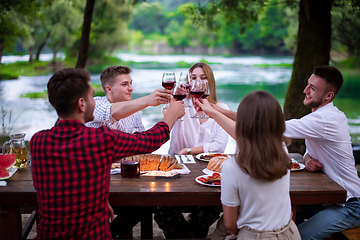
x: 235, y: 77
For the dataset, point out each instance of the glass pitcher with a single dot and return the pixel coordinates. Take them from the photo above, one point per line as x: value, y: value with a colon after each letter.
x: 17, y: 146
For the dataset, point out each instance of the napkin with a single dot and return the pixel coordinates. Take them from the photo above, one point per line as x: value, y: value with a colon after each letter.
x: 184, y: 170
x: 11, y: 172
x: 189, y: 159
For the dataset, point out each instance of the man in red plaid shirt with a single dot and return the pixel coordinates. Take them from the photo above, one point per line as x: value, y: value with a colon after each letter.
x: 70, y: 163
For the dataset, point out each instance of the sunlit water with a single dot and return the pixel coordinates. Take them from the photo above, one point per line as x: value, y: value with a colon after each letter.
x: 235, y: 77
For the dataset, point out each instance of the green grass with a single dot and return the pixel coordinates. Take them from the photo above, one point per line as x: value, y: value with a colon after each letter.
x: 35, y: 95
x: 264, y: 65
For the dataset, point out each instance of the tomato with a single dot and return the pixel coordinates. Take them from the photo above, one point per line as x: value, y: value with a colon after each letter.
x: 202, y: 179
x: 215, y: 175
x: 217, y: 183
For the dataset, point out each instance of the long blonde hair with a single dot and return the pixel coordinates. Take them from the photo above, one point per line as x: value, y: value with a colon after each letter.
x: 210, y: 78
x: 259, y: 130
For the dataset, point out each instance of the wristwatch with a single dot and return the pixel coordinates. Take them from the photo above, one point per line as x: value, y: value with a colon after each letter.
x: 188, y: 150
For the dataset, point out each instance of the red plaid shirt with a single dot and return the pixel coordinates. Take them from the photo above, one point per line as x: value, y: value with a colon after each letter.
x: 70, y: 166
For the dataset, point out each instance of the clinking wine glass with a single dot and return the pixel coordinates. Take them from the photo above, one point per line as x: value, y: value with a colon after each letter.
x: 168, y: 82
x: 197, y: 89
x: 179, y: 93
x: 184, y: 79
x: 205, y: 95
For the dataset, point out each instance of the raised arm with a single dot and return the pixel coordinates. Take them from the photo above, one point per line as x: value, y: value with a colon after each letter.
x: 176, y: 110
x: 124, y: 109
x: 228, y: 113
x: 225, y: 122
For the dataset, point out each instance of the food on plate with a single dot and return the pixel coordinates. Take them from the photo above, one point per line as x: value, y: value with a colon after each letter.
x: 154, y: 162
x: 179, y: 166
x: 115, y: 165
x: 4, y: 175
x: 295, y: 165
x: 6, y: 162
x: 215, y: 179
x: 211, y: 155
x: 215, y: 163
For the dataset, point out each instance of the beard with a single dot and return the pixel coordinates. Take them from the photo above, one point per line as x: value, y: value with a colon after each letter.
x: 313, y: 104
x: 89, y: 116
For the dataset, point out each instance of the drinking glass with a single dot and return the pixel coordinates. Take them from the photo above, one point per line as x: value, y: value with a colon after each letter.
x: 179, y: 93
x: 130, y: 168
x: 205, y: 95
x: 168, y: 82
x: 184, y: 79
x: 197, y: 89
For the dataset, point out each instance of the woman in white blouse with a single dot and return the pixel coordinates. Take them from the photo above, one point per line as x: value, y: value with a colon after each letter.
x: 193, y: 136
x: 197, y: 135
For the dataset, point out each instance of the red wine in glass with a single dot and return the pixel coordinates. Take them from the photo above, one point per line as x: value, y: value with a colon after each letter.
x: 130, y: 169
x: 197, y: 94
x: 169, y: 85
x: 204, y: 95
x: 188, y: 85
x: 179, y: 97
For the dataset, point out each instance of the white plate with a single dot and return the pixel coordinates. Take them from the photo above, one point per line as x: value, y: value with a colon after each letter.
x: 205, y: 184
x: 209, y: 172
x: 302, y: 166
x: 203, y: 154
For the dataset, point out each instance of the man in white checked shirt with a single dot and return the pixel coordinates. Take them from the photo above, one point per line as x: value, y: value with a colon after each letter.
x: 116, y: 109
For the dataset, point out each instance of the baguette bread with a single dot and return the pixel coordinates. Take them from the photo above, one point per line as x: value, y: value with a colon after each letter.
x: 154, y: 162
x: 215, y: 163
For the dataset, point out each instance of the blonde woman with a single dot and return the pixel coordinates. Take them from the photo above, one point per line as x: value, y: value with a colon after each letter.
x: 193, y: 136
x: 197, y: 135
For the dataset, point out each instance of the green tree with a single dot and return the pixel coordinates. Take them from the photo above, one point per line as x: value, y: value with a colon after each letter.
x: 13, y: 16
x: 109, y: 30
x: 346, y: 27
x: 149, y: 18
x: 313, y: 42
x: 65, y: 21
x: 85, y: 35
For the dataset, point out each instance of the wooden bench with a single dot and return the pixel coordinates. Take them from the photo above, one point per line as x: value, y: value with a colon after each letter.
x: 352, y: 234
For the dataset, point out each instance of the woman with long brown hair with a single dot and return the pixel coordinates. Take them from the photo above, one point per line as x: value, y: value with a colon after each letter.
x: 255, y: 183
x: 198, y: 135
x: 193, y: 136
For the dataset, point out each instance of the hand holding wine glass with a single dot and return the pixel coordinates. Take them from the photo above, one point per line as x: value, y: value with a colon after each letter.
x: 197, y: 89
x: 179, y: 93
x: 184, y: 79
x: 204, y: 96
x: 168, y: 82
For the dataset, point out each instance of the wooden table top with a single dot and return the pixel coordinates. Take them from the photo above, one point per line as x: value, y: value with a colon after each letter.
x: 305, y: 188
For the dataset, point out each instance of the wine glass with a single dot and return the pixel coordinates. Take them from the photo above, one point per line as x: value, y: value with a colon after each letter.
x: 205, y: 95
x: 168, y: 82
x: 184, y: 79
x: 197, y: 89
x: 179, y: 93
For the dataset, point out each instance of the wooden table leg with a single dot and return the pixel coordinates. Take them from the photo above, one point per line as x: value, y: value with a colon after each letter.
x: 10, y: 223
x: 147, y: 224
x: 294, y: 209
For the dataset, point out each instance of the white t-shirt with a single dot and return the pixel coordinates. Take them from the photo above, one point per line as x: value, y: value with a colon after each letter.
x: 327, y: 140
x: 190, y: 133
x: 263, y: 205
x: 103, y: 117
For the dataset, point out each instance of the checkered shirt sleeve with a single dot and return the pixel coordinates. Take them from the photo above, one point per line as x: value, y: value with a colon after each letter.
x: 71, y: 174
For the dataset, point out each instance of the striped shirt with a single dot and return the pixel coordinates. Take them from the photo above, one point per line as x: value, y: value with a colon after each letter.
x: 103, y: 117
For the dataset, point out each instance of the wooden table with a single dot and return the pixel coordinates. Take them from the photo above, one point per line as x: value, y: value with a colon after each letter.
x: 305, y: 188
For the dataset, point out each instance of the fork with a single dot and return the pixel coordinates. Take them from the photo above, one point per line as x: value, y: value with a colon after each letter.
x: 184, y: 158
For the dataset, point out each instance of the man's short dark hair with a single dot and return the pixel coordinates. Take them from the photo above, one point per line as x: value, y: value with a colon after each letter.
x: 107, y: 76
x: 332, y: 76
x: 65, y: 88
